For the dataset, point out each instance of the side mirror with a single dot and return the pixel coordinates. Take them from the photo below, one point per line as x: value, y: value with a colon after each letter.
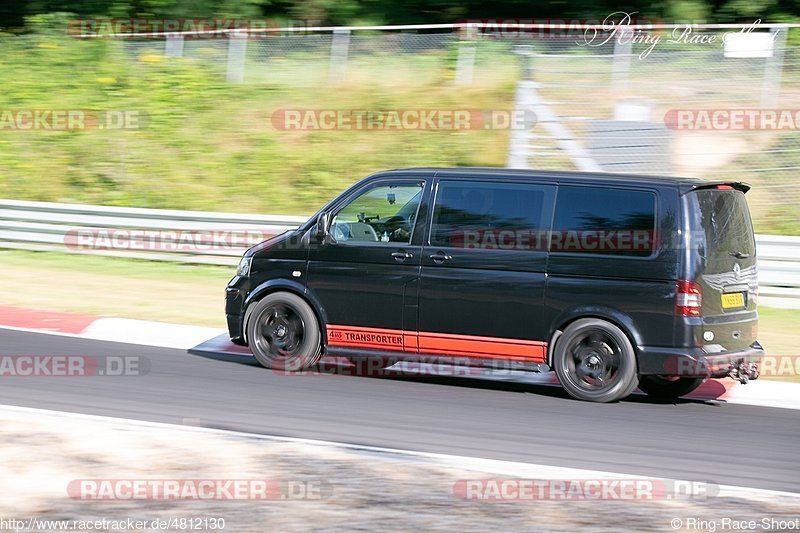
x: 321, y: 229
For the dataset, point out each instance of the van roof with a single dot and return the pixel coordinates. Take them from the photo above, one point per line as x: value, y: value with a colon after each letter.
x: 685, y: 184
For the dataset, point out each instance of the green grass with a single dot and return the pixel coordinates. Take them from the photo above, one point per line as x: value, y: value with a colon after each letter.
x: 129, y: 288
x: 193, y: 294
x: 210, y: 145
x: 780, y: 338
x: 136, y: 269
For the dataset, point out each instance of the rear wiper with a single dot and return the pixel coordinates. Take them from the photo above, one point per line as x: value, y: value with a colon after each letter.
x: 740, y: 255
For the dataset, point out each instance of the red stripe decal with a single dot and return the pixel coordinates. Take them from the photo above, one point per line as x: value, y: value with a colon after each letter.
x: 437, y: 343
x: 488, y: 347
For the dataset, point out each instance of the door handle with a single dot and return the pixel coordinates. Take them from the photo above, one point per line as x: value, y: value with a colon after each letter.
x: 402, y: 256
x: 441, y: 257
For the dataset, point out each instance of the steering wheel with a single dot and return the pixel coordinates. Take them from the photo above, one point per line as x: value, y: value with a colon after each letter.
x: 394, y: 223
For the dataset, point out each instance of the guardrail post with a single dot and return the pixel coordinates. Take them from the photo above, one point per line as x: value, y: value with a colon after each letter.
x: 237, y: 50
x: 340, y: 45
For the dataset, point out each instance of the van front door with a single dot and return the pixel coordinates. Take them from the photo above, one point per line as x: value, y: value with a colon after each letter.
x: 363, y: 275
x: 483, y: 270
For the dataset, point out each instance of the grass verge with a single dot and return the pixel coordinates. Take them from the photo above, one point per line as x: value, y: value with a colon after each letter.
x: 129, y: 288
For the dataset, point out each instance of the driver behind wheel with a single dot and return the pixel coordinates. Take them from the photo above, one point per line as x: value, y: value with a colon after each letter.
x: 400, y: 235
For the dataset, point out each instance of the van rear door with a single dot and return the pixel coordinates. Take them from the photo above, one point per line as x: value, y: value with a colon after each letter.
x: 722, y: 262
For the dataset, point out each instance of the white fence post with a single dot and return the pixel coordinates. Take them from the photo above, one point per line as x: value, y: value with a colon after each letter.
x: 526, y: 54
x: 173, y: 46
x: 466, y: 62
x: 773, y: 68
x: 237, y: 51
x: 340, y: 46
x: 621, y: 64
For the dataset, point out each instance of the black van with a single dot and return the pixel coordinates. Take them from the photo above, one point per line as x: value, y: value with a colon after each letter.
x: 613, y: 281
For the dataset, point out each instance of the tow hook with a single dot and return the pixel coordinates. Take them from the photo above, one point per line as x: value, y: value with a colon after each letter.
x: 744, y: 372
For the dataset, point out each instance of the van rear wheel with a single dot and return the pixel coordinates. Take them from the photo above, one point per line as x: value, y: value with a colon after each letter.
x: 283, y: 332
x: 595, y: 361
x: 668, y: 388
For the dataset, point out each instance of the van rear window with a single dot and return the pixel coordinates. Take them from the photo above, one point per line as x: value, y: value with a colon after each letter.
x: 598, y: 220
x: 724, y: 224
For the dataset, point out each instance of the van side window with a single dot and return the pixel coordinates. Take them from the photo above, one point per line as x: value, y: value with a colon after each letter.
x: 493, y: 216
x: 385, y: 213
x: 604, y: 221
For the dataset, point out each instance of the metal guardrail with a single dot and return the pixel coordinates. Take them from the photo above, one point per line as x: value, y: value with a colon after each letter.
x: 779, y: 270
x: 156, y: 234
x: 221, y: 238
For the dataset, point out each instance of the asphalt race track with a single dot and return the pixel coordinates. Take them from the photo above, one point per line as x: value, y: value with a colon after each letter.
x: 692, y: 440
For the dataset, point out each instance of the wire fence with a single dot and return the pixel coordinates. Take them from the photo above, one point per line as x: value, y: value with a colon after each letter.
x: 666, y: 103
x: 677, y: 109
x: 721, y: 102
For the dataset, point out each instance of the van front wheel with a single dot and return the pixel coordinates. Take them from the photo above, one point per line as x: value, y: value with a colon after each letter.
x: 665, y: 388
x: 283, y: 332
x: 595, y: 361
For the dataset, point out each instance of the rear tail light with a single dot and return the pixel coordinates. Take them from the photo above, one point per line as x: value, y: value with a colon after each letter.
x: 689, y: 299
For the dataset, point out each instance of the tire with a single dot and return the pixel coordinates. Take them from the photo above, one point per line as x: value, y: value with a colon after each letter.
x: 666, y: 388
x: 283, y: 332
x: 595, y: 361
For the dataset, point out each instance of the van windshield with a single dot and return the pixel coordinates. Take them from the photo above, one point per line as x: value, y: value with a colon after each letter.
x: 725, y: 229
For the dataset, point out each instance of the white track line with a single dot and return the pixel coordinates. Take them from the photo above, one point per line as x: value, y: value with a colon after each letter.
x: 139, y: 332
x: 164, y: 335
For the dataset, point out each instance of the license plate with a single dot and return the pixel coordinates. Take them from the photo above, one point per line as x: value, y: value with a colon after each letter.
x: 733, y: 300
